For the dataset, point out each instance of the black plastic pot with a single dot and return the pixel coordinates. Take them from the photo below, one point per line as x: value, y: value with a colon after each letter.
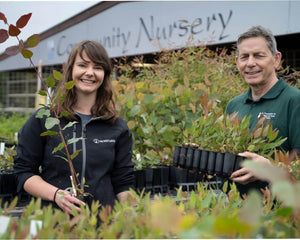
x: 139, y: 179
x: 160, y: 175
x: 203, y: 161
x: 8, y: 183
x: 238, y: 161
x: 189, y: 157
x: 211, y: 163
x: 229, y: 163
x: 160, y: 183
x: 196, y: 159
x: 176, y: 155
x: 219, y: 163
x: 8, y: 187
x: 182, y: 156
x: 148, y: 178
x: 177, y: 175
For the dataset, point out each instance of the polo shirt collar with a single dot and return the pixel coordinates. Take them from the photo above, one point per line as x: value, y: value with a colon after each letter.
x: 271, y: 94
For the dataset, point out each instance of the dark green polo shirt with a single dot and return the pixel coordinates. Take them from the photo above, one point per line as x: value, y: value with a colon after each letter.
x: 281, y: 104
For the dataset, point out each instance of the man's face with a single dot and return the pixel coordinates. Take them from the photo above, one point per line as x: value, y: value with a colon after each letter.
x: 256, y: 63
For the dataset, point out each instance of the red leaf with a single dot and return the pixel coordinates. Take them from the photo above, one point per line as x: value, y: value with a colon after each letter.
x: 26, y: 53
x: 33, y: 40
x: 2, y: 17
x: 23, y: 20
x: 13, y: 30
x: 3, y: 35
x: 14, y: 50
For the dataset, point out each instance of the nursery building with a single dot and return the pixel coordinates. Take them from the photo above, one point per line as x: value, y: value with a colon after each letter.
x: 143, y: 28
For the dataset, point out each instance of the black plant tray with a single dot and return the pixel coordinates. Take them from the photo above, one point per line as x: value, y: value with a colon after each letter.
x: 210, y: 162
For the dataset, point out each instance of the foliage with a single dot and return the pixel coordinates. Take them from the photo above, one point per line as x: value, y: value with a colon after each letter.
x: 6, y: 160
x: 224, y: 133
x: 201, y: 214
x: 10, y: 124
x: 51, y: 112
x: 160, y: 102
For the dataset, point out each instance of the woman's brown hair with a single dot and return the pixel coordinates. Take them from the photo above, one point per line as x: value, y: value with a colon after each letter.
x: 105, y: 104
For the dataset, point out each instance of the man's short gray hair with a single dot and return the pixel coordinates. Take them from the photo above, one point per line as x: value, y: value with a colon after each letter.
x: 259, y: 31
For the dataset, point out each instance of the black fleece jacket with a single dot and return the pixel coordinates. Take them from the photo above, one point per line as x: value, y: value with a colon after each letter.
x: 106, y: 151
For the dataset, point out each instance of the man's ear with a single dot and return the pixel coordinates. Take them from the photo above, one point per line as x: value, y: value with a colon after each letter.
x: 277, y: 58
x: 237, y: 62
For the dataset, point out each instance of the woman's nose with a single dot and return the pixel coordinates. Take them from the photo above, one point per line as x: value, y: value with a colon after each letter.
x: 89, y: 71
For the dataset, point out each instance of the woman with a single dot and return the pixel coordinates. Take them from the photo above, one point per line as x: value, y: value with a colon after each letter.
x: 103, y: 166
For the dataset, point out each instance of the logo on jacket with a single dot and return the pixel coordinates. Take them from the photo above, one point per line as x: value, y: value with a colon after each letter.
x: 97, y: 141
x: 266, y: 115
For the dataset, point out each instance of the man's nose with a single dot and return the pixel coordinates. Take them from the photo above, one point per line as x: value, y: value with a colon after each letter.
x: 251, y: 61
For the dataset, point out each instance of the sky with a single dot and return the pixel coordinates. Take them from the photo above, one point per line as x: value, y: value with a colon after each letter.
x: 45, y: 14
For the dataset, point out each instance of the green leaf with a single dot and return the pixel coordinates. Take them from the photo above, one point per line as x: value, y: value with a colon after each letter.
x: 26, y: 53
x: 74, y: 140
x: 252, y: 209
x: 75, y: 153
x: 284, y: 212
x: 287, y: 192
x: 135, y: 110
x: 163, y: 130
x: 51, y: 122
x: 70, y: 124
x: 49, y: 133
x: 42, y: 93
x: 64, y: 114
x: 42, y: 112
x: 58, y: 148
x: 70, y: 84
x: 57, y: 75
x: 50, y: 81
x: 33, y: 41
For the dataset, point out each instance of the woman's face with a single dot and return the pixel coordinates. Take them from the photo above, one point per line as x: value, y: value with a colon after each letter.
x: 87, y: 75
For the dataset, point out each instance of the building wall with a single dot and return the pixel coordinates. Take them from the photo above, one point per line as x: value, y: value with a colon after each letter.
x: 141, y: 28
x: 135, y: 28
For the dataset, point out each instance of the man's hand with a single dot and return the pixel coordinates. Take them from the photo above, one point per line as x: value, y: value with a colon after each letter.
x: 243, y: 176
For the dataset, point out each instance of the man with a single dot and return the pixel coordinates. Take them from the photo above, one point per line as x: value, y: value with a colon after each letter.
x: 257, y: 61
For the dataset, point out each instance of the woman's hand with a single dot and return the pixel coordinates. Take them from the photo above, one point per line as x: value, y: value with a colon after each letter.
x: 243, y: 176
x: 66, y: 201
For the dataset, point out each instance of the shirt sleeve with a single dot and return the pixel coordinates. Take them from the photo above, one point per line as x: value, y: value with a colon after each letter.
x: 122, y: 174
x: 29, y: 151
x: 294, y: 123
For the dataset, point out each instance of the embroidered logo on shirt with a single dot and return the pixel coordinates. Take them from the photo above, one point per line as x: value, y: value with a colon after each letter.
x: 95, y: 140
x: 267, y: 115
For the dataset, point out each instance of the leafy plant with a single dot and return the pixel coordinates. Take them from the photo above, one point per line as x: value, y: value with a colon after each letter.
x: 51, y: 113
x: 10, y: 124
x: 6, y: 160
x: 201, y: 214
